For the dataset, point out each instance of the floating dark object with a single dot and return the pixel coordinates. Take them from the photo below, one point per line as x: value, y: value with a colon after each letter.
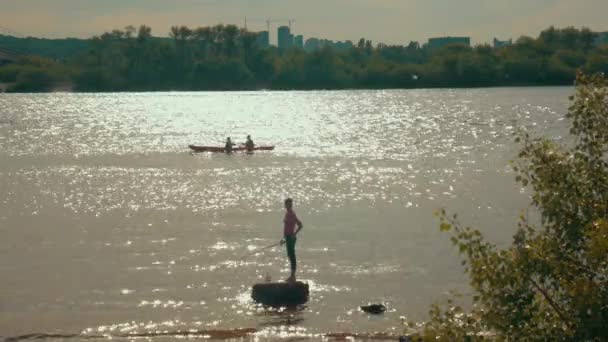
x: 374, y: 309
x: 280, y: 294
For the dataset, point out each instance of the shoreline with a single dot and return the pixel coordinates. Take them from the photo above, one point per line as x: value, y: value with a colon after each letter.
x: 69, y: 88
x: 250, y: 334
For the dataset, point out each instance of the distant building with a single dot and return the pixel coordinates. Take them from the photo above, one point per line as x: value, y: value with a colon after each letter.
x: 502, y: 43
x: 263, y: 39
x: 444, y: 41
x: 285, y: 38
x: 343, y: 45
x: 314, y: 44
x: 298, y: 41
x: 602, y: 38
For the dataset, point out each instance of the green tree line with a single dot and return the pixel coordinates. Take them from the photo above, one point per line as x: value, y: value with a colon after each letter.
x: 225, y: 57
x: 59, y: 49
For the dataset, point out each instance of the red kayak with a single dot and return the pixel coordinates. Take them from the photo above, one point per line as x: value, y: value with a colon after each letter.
x: 240, y: 148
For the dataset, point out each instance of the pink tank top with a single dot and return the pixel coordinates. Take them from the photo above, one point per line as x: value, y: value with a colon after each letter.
x: 290, y: 221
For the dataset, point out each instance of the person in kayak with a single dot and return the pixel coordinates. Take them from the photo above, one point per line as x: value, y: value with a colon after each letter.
x: 249, y: 145
x: 289, y: 236
x: 228, y: 146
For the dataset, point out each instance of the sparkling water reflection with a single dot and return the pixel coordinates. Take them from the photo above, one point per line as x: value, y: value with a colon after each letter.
x: 111, y: 227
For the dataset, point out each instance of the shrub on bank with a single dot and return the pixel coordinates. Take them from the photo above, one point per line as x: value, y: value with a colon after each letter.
x: 32, y: 81
x: 33, y: 74
x: 551, y: 284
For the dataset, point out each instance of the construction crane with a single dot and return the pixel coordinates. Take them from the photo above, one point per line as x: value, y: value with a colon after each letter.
x: 270, y: 21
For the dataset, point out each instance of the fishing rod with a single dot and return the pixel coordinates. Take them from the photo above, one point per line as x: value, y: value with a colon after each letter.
x: 261, y: 249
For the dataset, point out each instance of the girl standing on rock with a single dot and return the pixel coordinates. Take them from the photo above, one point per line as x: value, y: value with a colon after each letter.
x: 289, y: 233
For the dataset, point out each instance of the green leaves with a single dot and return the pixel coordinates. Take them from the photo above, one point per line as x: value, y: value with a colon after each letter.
x: 551, y: 284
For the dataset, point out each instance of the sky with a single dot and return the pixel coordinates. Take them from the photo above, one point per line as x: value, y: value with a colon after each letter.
x: 382, y: 21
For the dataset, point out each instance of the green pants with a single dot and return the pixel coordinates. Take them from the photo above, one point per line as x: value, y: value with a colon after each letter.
x: 290, y: 242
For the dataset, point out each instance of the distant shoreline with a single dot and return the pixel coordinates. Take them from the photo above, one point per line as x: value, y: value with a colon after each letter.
x: 224, y: 58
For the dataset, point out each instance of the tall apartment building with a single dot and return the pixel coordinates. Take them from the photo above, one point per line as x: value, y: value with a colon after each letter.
x: 285, y: 38
x: 263, y: 39
x: 298, y: 41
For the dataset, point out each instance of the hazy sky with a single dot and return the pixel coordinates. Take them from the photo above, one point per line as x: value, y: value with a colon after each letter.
x: 388, y: 21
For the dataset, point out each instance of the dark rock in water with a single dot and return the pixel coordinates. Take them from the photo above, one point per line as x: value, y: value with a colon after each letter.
x: 375, y: 309
x: 280, y: 294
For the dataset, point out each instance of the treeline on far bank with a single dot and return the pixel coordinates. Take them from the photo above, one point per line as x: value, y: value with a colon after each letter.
x: 228, y: 58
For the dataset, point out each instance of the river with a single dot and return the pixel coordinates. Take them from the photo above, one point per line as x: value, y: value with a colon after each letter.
x: 110, y: 226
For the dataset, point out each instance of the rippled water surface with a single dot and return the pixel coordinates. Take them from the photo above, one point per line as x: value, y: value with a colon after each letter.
x: 110, y: 226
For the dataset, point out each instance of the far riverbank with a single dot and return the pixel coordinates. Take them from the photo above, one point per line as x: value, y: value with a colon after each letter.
x: 119, y: 62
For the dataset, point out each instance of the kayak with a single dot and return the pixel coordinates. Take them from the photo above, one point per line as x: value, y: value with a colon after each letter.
x: 240, y: 148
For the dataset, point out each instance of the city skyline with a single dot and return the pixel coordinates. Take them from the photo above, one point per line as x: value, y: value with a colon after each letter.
x: 382, y: 21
